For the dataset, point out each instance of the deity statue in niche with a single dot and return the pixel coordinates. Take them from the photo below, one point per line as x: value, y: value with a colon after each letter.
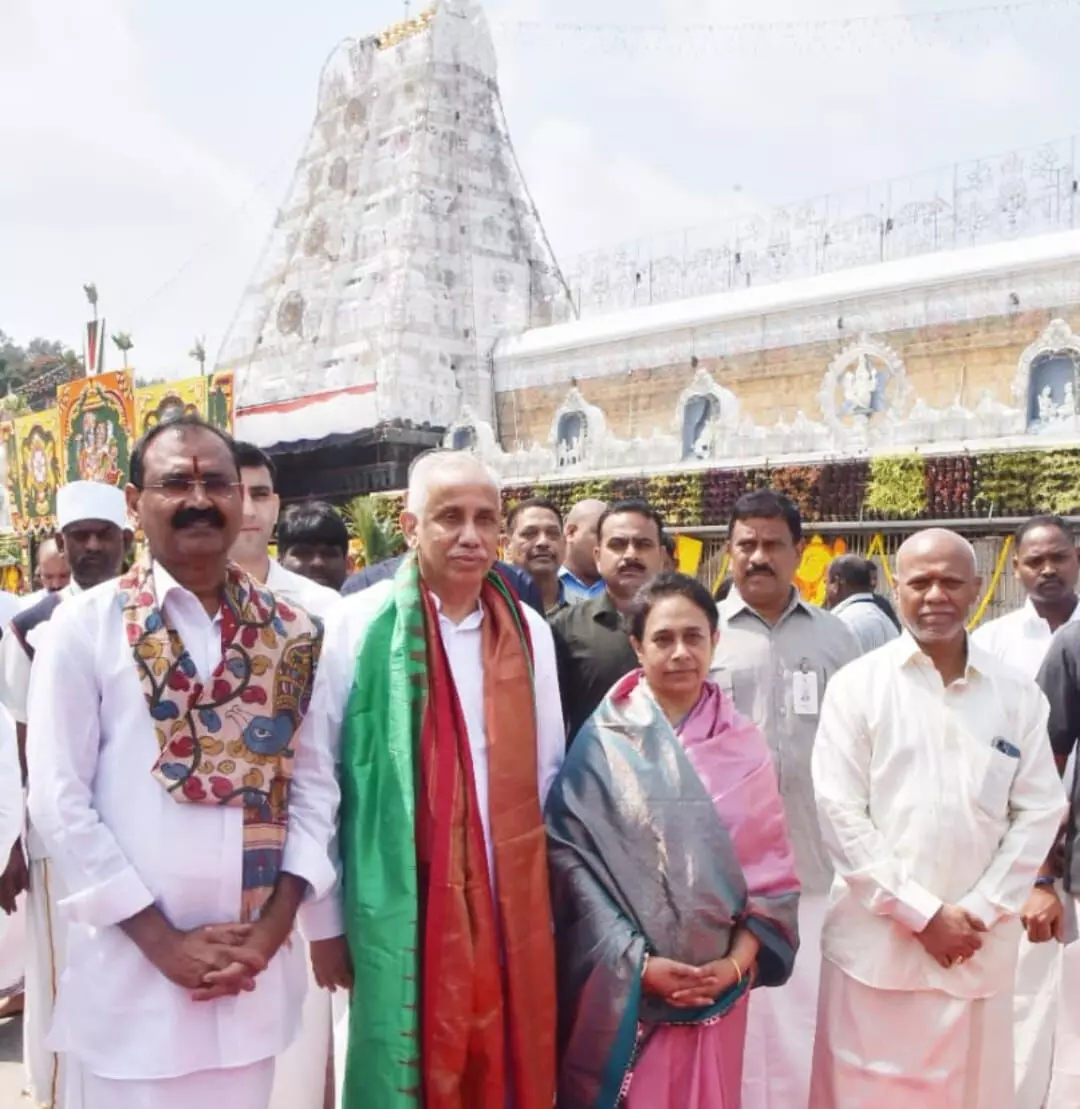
x: 570, y: 440
x: 863, y: 389
x: 698, y: 417
x: 1052, y: 389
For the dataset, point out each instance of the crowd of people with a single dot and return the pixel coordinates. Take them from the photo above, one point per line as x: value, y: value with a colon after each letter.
x: 526, y: 816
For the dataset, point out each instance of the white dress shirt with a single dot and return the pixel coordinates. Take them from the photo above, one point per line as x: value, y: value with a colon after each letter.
x: 15, y: 662
x: 315, y: 599
x: 920, y: 807
x: 10, y: 604
x: 123, y: 843
x: 1020, y: 639
x: 462, y: 642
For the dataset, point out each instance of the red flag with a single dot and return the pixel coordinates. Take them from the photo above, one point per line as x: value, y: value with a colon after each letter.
x: 95, y: 347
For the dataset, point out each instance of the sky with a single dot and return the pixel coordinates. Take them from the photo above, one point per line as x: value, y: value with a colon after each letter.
x: 145, y: 145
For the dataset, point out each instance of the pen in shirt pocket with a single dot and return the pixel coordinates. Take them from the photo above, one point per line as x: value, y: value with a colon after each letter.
x: 1005, y: 747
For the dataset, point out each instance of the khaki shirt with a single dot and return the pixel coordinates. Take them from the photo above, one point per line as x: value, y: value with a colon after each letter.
x: 756, y: 664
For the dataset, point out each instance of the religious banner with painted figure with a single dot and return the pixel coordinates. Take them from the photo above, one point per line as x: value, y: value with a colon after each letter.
x: 38, y: 438
x: 219, y: 405
x: 97, y: 418
x: 9, y: 460
x: 155, y: 404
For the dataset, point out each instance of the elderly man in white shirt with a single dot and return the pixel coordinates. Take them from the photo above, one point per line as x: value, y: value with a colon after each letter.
x: 446, y: 697
x: 186, y: 798
x: 939, y: 802
x: 1046, y: 1004
x: 300, y: 1077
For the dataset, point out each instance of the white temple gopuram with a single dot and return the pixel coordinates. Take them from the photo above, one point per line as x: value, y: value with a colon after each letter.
x: 406, y: 246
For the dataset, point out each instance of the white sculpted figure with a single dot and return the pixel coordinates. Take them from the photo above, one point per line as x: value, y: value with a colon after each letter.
x: 1067, y: 408
x: 1046, y: 405
x: 860, y: 385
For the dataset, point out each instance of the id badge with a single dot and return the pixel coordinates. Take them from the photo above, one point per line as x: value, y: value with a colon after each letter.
x: 804, y: 692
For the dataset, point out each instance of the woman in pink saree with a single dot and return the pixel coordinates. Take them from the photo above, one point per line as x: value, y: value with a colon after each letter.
x: 674, y: 888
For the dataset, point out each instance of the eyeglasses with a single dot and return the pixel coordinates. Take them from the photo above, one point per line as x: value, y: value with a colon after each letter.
x: 216, y: 488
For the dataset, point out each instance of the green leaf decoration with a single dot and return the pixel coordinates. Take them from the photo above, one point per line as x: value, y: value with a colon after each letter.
x: 897, y: 488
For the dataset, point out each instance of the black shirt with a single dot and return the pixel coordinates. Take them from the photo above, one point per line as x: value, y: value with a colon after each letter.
x: 593, y: 652
x: 1059, y: 679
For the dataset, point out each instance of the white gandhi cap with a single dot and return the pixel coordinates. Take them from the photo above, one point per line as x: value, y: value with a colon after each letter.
x: 90, y: 500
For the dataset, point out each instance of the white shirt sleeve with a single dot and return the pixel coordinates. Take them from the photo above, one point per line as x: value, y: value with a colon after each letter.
x: 314, y: 798
x: 840, y: 765
x: 322, y: 917
x: 550, y: 730
x: 11, y: 789
x: 104, y: 887
x: 14, y: 675
x: 1036, y: 808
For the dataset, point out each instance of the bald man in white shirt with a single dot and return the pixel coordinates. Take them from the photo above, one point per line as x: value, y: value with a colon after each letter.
x: 939, y: 802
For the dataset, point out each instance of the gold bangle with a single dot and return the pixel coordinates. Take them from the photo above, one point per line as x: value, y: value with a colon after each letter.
x: 738, y: 969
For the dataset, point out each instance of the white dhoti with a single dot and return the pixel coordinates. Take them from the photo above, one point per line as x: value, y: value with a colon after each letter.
x: 893, y: 1049
x: 300, y: 1075
x: 341, y: 1042
x: 46, y: 943
x: 781, y: 1022
x: 1035, y: 1014
x: 13, y: 949
x: 1065, y: 1072
x: 237, y: 1088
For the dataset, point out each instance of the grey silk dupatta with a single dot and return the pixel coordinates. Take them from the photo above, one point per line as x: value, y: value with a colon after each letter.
x: 641, y: 862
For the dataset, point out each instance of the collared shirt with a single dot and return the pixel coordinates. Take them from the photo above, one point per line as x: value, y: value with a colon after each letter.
x: 594, y: 652
x: 576, y: 590
x: 1020, y: 639
x: 10, y: 604
x: 463, y: 644
x: 315, y: 599
x: 870, y: 626
x: 756, y: 663
x: 122, y: 843
x: 1059, y: 679
x: 932, y: 795
x: 15, y: 662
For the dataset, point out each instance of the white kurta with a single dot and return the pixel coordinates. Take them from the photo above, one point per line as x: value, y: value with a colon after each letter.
x: 300, y: 1073
x: 1041, y: 1000
x: 347, y: 623
x: 45, y: 930
x: 12, y: 928
x: 928, y: 796
x: 122, y: 843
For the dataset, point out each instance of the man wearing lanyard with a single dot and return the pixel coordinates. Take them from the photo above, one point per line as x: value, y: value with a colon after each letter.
x: 776, y: 655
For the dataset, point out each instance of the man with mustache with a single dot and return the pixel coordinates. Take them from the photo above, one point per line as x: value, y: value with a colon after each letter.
x: 446, y: 702
x: 776, y: 656
x: 536, y: 544
x: 939, y: 803
x: 591, y: 642
x: 1046, y: 1003
x: 186, y: 796
x: 93, y: 538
